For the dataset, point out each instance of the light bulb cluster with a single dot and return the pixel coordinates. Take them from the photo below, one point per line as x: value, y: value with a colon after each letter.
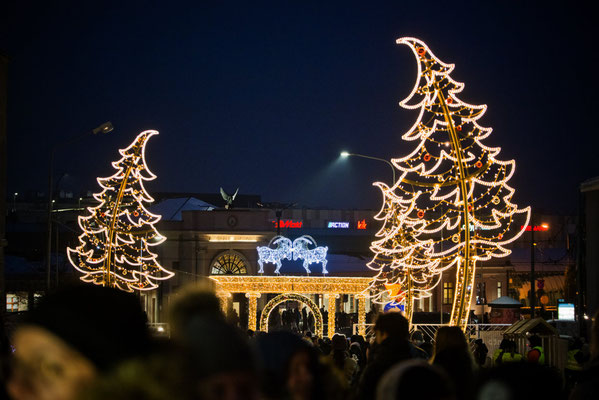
x: 114, y: 248
x: 289, y: 286
x: 270, y: 306
x: 449, y: 182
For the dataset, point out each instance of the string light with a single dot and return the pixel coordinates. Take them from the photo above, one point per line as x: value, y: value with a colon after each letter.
x: 290, y: 286
x: 449, y: 182
x: 114, y: 248
x: 264, y: 317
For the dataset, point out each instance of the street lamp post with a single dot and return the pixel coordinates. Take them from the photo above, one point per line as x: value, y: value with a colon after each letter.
x: 104, y: 128
x: 533, y: 295
x: 532, y: 270
x: 345, y: 154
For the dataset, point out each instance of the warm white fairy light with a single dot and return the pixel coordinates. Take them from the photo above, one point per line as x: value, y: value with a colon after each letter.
x: 450, y: 181
x: 114, y: 248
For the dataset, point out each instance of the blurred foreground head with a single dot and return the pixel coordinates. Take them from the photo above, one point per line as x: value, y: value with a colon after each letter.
x: 519, y: 381
x: 198, y: 300
x: 415, y: 379
x: 71, y: 336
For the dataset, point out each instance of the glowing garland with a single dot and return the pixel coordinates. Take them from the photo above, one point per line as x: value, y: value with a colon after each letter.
x: 286, y: 297
x: 332, y: 287
x: 114, y: 246
x: 299, y: 249
x: 450, y: 181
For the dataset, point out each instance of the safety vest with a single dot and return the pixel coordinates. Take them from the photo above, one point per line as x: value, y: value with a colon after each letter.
x: 571, y: 363
x: 541, y: 360
x: 506, y: 358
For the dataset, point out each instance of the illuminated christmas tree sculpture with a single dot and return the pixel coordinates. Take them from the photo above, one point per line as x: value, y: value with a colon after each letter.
x: 451, y: 206
x: 114, y: 248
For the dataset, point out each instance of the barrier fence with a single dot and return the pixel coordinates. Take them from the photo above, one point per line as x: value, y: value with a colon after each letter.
x: 491, y: 334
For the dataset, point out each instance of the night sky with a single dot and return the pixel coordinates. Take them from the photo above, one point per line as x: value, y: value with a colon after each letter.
x: 264, y: 95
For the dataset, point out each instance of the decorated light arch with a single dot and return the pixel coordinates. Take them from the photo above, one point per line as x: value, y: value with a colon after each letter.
x: 264, y: 317
x: 331, y: 287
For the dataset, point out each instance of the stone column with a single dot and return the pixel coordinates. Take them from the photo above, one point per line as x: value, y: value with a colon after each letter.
x: 361, y: 314
x: 331, y: 310
x: 252, y: 309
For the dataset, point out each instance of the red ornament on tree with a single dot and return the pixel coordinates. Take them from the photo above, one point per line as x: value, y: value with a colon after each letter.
x: 420, y: 214
x: 458, y: 128
x: 426, y: 157
x: 449, y: 100
x: 421, y: 51
x: 478, y: 164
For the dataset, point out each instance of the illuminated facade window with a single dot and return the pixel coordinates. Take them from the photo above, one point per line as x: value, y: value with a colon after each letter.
x: 228, y: 264
x: 447, y: 292
x: 12, y: 303
x: 499, y: 289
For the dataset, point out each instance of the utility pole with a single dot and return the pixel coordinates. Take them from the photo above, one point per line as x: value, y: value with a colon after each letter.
x: 532, y: 267
x: 3, y: 101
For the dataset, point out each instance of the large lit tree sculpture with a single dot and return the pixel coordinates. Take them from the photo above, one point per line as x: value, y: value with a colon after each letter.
x: 452, y: 205
x: 114, y: 248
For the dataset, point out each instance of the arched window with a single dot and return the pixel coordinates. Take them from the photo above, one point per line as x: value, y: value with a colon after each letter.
x: 228, y: 263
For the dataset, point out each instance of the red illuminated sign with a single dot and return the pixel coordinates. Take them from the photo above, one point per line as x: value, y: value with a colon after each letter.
x: 362, y: 224
x: 535, y: 228
x: 289, y: 223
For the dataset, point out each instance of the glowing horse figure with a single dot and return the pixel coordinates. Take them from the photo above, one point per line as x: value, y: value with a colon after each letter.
x: 310, y: 256
x: 266, y: 254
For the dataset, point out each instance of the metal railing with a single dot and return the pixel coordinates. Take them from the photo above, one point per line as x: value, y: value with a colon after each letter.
x: 491, y: 334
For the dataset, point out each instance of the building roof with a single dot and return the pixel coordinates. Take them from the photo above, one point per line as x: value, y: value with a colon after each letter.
x: 546, y: 259
x: 590, y: 185
x: 171, y: 209
x: 505, y: 301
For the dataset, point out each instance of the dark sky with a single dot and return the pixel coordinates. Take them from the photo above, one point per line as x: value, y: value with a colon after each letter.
x: 264, y: 95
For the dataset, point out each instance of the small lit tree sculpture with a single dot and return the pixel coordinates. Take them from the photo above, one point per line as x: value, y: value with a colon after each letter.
x: 114, y: 248
x: 452, y: 205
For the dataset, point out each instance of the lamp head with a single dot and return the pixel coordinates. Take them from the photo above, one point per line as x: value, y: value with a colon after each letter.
x: 106, y: 127
x: 344, y: 154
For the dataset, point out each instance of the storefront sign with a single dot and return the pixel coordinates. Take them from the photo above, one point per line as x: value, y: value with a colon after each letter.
x: 535, y: 228
x: 289, y: 223
x: 343, y: 225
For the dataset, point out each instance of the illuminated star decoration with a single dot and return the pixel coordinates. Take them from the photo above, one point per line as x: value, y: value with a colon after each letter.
x: 298, y: 250
x: 452, y: 205
x: 114, y: 248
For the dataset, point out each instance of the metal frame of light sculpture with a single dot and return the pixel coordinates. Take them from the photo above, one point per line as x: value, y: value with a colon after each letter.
x: 264, y: 317
x: 448, y: 181
x: 298, y: 249
x: 114, y: 248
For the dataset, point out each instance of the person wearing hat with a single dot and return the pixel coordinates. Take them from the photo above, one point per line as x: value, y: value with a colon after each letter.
x: 71, y: 337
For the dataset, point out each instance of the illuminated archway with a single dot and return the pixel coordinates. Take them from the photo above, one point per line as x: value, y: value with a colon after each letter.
x: 287, y: 297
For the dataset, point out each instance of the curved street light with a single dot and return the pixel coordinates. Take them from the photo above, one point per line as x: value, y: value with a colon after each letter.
x: 106, y: 127
x: 345, y: 154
